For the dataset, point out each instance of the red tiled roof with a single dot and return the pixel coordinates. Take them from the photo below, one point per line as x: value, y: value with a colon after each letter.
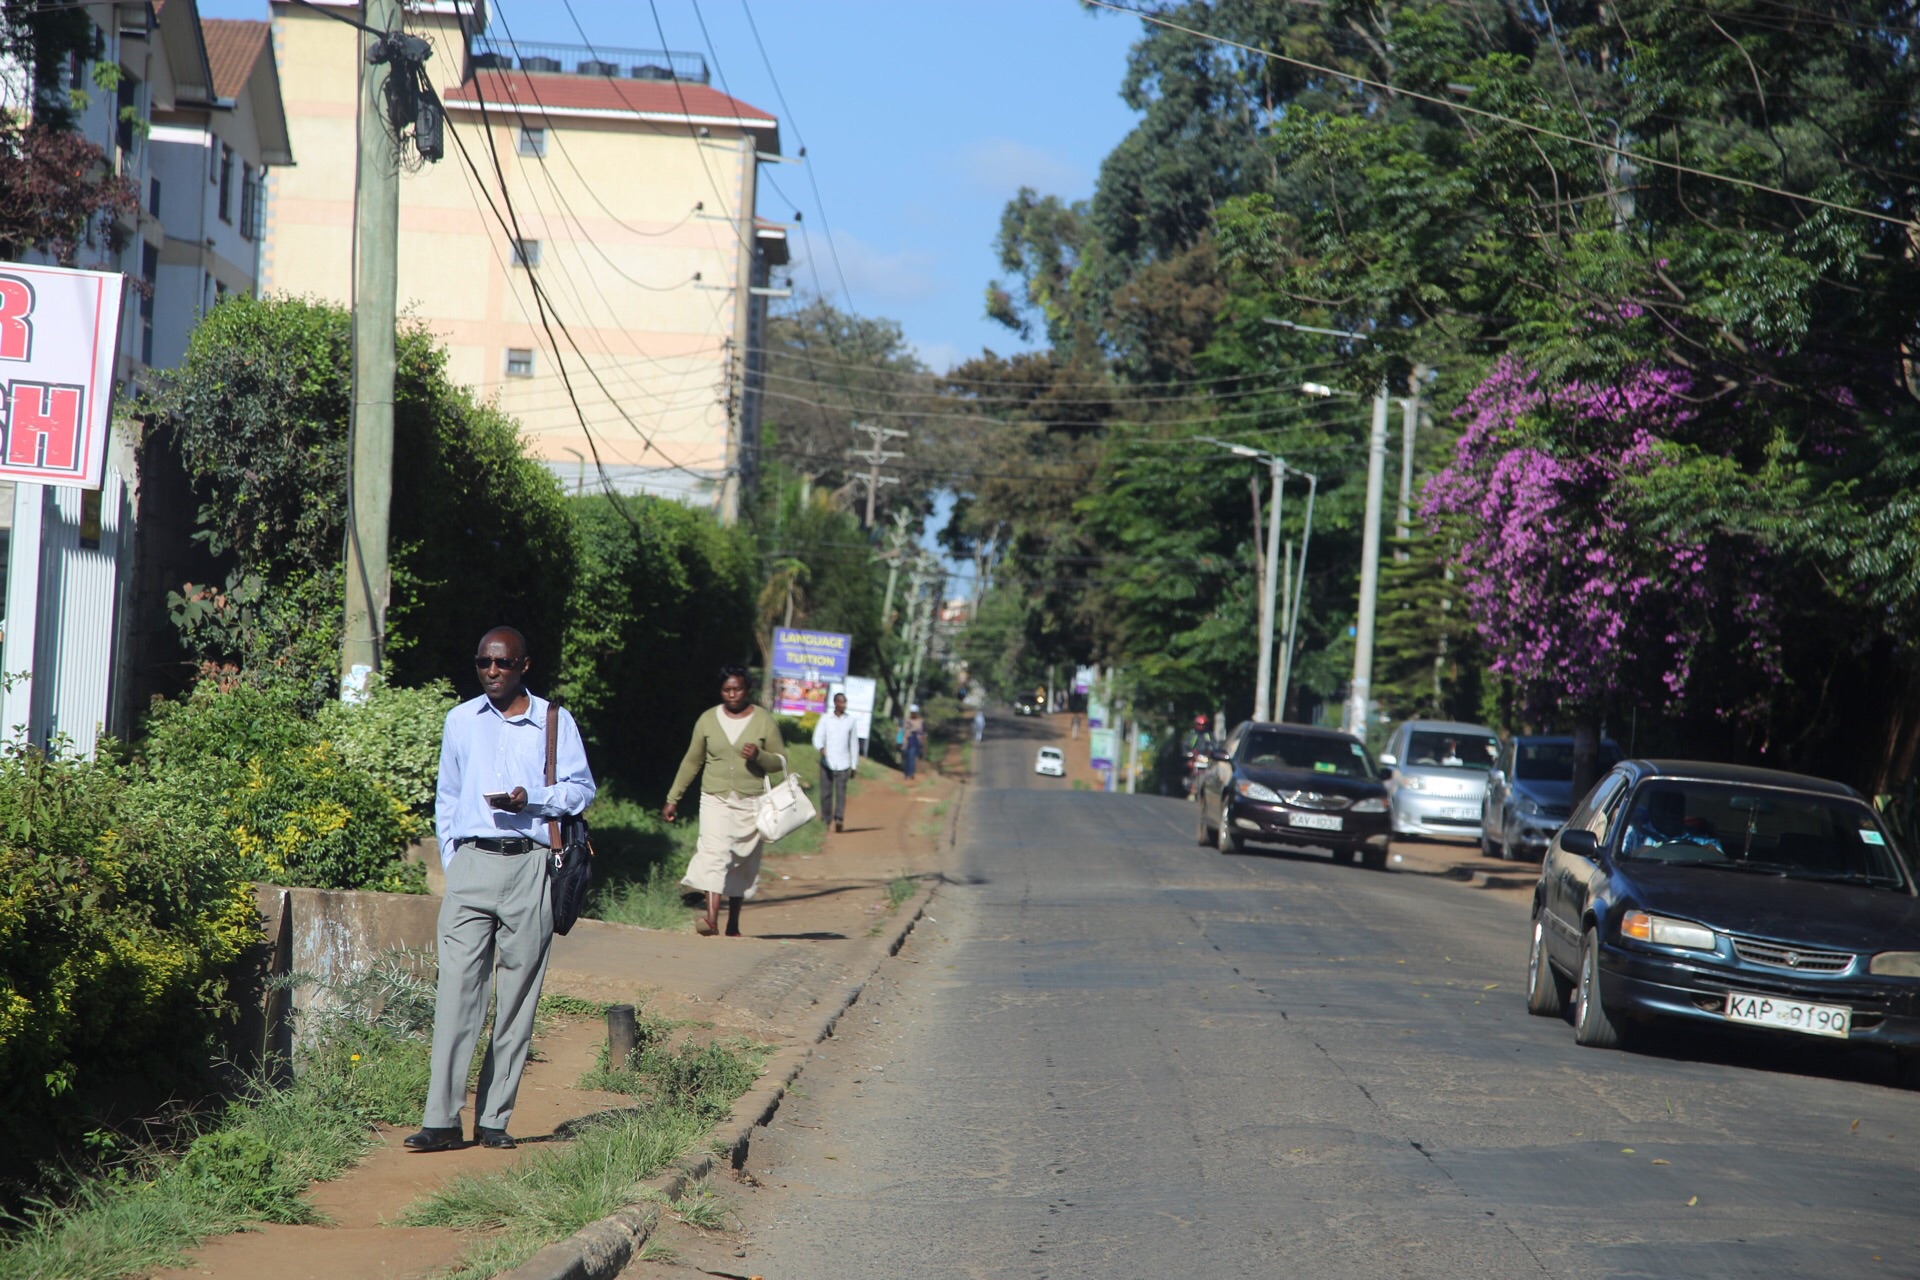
x: 680, y: 100
x: 233, y: 46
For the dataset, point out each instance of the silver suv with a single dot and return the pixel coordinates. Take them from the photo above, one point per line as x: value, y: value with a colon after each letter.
x: 1439, y: 777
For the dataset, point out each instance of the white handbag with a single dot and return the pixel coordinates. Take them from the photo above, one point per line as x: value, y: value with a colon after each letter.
x: 784, y: 809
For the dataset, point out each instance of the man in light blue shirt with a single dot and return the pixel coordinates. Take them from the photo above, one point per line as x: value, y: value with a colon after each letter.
x: 836, y: 738
x: 496, y: 920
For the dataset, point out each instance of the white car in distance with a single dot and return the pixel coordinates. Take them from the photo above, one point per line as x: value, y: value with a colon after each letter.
x: 1050, y: 762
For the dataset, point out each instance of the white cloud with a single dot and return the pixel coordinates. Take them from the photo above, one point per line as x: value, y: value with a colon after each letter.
x: 876, y: 276
x: 1001, y: 166
x: 937, y: 356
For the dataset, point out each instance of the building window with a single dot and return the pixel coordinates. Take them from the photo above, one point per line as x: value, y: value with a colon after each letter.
x: 213, y: 161
x: 153, y: 196
x: 533, y: 142
x: 226, y: 183
x: 150, y: 274
x: 253, y: 201
x: 519, y: 362
x: 126, y: 101
x: 526, y: 253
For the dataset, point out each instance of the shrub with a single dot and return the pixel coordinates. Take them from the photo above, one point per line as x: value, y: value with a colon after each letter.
x: 394, y: 737
x: 117, y: 930
x: 308, y: 817
x: 279, y: 799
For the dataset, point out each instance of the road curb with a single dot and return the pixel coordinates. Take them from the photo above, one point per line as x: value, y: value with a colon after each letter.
x: 600, y: 1250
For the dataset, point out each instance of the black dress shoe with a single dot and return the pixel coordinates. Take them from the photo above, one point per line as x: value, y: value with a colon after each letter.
x: 498, y: 1139
x: 430, y: 1139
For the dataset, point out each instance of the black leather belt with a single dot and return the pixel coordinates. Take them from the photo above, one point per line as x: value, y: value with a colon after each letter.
x: 501, y: 844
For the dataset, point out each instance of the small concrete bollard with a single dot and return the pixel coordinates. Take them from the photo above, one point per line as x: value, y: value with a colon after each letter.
x: 622, y: 1036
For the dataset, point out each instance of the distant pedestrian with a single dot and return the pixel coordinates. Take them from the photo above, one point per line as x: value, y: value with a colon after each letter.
x: 837, y: 739
x: 979, y: 725
x: 728, y: 741
x: 496, y: 918
x: 914, y: 738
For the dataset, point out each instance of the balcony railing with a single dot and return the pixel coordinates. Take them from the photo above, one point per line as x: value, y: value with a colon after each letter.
x: 584, y: 60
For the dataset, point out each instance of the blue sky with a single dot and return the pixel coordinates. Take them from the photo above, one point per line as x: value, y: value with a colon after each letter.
x: 920, y: 121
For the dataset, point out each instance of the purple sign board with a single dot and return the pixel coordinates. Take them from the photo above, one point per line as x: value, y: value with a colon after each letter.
x: 804, y: 664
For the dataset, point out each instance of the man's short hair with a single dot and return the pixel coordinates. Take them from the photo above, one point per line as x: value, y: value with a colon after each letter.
x: 505, y: 631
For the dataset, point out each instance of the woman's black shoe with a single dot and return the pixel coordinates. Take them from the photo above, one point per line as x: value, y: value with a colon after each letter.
x: 499, y: 1139
x: 433, y: 1140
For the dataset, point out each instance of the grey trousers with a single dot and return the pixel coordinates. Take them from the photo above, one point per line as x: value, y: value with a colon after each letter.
x: 833, y: 793
x: 496, y: 923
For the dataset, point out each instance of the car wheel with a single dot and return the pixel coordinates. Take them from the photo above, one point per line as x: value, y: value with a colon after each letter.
x: 1906, y: 1068
x: 1229, y: 841
x: 1206, y: 830
x: 1591, y: 1025
x: 1546, y: 990
x: 1486, y: 846
x: 1373, y: 857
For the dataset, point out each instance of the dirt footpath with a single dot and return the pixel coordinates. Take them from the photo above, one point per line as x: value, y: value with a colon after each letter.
x: 812, y: 914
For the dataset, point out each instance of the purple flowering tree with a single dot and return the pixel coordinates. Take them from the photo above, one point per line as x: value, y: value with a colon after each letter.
x: 1586, y: 605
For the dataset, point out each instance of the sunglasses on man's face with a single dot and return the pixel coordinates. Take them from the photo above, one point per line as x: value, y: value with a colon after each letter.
x: 488, y: 664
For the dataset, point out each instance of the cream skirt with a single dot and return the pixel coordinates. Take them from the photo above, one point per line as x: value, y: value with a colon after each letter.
x: 726, y: 860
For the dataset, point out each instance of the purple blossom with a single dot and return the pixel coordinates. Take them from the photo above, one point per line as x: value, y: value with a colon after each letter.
x: 1579, y: 607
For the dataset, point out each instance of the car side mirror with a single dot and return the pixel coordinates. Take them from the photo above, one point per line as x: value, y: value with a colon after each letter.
x: 1580, y: 842
x: 1496, y: 777
x: 1388, y: 758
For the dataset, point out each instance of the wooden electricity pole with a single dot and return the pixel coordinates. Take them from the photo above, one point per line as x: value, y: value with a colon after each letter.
x: 370, y: 431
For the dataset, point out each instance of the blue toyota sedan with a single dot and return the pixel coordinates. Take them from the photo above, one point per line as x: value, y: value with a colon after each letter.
x: 1747, y: 900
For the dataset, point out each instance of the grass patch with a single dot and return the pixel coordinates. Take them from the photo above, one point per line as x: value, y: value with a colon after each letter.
x: 368, y: 1063
x: 652, y: 903
x: 681, y: 1092
x: 566, y: 1006
x: 899, y: 889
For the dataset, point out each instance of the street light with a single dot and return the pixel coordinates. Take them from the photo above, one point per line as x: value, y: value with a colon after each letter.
x: 1265, y: 705
x: 1360, y: 693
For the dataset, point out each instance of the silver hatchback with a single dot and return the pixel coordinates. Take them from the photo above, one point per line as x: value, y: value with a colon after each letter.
x: 1439, y: 777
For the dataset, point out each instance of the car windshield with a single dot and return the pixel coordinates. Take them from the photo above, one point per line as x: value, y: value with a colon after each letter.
x: 1553, y: 761
x: 1788, y: 833
x: 1278, y: 749
x: 1434, y: 748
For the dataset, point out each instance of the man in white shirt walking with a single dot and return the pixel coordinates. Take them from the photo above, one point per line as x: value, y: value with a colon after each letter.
x: 837, y: 740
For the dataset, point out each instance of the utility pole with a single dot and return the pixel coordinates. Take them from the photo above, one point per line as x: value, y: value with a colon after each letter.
x: 1409, y: 424
x: 370, y: 437
x: 876, y: 454
x: 896, y: 549
x: 1360, y: 695
x: 1299, y: 592
x: 1263, y: 675
x: 743, y: 304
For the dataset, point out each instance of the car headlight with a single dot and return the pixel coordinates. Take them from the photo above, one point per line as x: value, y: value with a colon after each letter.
x: 1896, y: 964
x: 1254, y: 791
x: 1667, y: 932
x: 1412, y: 782
x: 1527, y: 805
x: 1374, y: 805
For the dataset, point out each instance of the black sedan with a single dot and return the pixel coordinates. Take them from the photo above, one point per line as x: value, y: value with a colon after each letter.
x: 1728, y: 897
x: 1295, y: 784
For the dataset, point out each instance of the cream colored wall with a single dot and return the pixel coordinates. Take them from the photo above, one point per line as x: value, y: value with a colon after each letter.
x: 619, y: 277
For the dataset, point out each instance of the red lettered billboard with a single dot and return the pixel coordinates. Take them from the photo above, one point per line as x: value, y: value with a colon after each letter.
x: 58, y: 331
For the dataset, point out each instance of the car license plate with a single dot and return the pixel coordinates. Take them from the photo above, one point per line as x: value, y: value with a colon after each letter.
x: 1460, y: 813
x: 1790, y: 1015
x: 1314, y: 821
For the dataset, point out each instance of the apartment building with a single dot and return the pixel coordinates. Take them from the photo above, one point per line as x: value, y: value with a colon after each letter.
x: 590, y: 259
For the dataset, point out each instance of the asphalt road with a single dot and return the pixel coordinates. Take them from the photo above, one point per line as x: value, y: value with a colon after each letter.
x: 1112, y: 1053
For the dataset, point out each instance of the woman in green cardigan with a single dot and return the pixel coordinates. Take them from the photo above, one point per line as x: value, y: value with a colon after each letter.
x: 728, y: 743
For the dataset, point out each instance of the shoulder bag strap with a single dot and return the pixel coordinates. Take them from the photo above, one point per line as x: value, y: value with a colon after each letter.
x: 553, y: 755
